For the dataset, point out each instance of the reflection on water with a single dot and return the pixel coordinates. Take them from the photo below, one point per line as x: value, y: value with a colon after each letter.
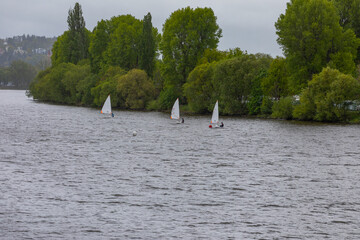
x: 71, y: 173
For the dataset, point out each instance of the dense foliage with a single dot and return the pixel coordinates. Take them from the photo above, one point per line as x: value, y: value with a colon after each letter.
x: 328, y: 96
x: 311, y: 37
x: 187, y: 33
x: 73, y: 45
x: 147, y: 46
x: 18, y: 75
x: 318, y: 37
x: 123, y: 41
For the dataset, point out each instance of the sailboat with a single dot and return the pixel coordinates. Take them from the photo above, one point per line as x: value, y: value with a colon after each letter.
x: 215, y: 116
x: 107, y: 107
x: 175, y: 111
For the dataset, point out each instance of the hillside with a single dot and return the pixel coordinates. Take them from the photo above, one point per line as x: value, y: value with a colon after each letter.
x: 34, y: 50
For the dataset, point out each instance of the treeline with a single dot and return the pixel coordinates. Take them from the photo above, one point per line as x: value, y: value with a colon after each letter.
x: 17, y: 76
x: 320, y: 41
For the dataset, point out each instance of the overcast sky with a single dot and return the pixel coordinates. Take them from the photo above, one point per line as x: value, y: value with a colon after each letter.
x: 247, y: 24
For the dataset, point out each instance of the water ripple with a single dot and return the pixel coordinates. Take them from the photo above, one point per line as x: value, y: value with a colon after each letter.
x: 69, y: 173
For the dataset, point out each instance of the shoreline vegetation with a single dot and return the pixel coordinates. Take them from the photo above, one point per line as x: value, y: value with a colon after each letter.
x: 317, y: 80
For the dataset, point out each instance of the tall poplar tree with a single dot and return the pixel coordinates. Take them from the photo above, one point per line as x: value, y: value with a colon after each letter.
x: 72, y: 46
x: 147, y: 46
x: 78, y: 36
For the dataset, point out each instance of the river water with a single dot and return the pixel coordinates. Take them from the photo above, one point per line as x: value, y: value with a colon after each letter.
x: 71, y: 173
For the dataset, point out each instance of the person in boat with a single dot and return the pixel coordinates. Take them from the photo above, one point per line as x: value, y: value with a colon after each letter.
x: 182, y: 120
x: 222, y: 124
x: 112, y: 114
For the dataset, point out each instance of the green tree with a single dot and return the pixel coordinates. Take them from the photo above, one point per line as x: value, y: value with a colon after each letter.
x: 327, y: 97
x: 199, y: 89
x: 117, y: 42
x: 235, y: 80
x: 212, y: 55
x: 63, y: 83
x: 48, y: 86
x: 311, y: 36
x: 100, y: 39
x: 147, y: 46
x: 187, y: 33
x: 256, y: 94
x: 108, y: 85
x: 78, y: 35
x: 21, y: 74
x: 123, y: 48
x: 349, y: 12
x: 74, y: 77
x: 275, y: 84
x: 61, y: 49
x: 136, y: 89
x: 4, y: 76
x: 283, y: 108
x: 72, y: 46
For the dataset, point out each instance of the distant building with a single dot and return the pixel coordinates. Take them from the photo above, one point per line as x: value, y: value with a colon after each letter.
x: 40, y: 51
x: 19, y: 50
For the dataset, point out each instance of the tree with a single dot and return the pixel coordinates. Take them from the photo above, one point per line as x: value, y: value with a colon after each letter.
x: 21, y: 74
x: 78, y: 36
x: 187, y: 33
x: 283, y: 108
x: 327, y: 97
x: 311, y: 36
x: 136, y: 89
x: 108, y: 85
x: 65, y: 83
x: 147, y: 47
x: 100, y: 39
x: 123, y: 48
x: 72, y: 46
x: 61, y: 50
x: 256, y: 93
x: 4, y: 76
x: 275, y: 84
x: 117, y: 42
x: 235, y: 80
x: 349, y: 12
x: 199, y: 89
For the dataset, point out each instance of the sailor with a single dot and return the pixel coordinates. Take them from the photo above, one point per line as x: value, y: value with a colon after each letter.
x: 112, y: 114
x: 182, y: 120
x: 222, y: 124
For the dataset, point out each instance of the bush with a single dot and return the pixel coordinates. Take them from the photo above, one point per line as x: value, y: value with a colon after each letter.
x: 167, y: 98
x: 198, y: 88
x: 136, y: 89
x: 266, y: 105
x: 327, y: 97
x: 283, y: 108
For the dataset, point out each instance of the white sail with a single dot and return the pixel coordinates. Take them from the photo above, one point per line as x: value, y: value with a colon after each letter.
x: 215, y: 115
x: 175, y: 111
x: 107, y: 106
